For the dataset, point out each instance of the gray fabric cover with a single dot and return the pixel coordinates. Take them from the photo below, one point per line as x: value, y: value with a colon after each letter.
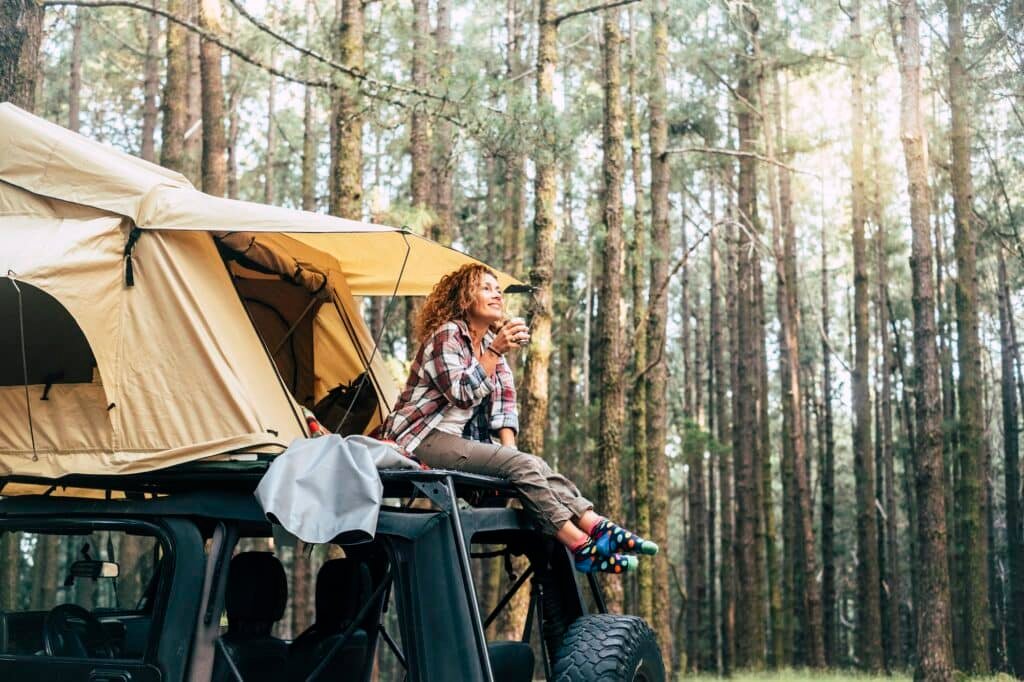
x: 320, y: 488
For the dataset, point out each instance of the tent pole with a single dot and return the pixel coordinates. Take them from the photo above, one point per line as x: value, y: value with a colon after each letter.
x: 24, y: 363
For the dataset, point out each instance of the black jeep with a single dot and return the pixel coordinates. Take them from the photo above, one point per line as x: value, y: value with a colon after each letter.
x: 144, y: 582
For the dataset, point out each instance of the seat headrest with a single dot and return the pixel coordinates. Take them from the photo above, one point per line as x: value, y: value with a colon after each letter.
x: 342, y: 587
x: 257, y: 588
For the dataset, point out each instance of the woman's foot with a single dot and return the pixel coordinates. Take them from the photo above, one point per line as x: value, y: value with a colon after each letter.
x: 611, y: 539
x: 588, y: 559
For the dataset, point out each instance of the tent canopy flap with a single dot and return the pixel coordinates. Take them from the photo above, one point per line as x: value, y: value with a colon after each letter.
x: 194, y: 360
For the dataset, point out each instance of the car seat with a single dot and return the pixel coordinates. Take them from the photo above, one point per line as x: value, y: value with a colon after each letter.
x: 257, y: 591
x: 343, y: 587
x: 511, y: 661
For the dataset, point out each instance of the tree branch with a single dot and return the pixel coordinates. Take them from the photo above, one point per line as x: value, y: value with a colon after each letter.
x: 376, y: 89
x: 736, y: 152
x: 203, y: 33
x: 588, y: 10
x: 732, y: 91
x: 660, y: 291
x: 353, y: 72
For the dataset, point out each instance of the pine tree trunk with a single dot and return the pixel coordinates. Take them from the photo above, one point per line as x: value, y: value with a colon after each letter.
x: 419, y: 143
x: 972, y: 500
x: 949, y: 426
x: 638, y: 406
x: 611, y: 415
x: 347, y: 198
x: 174, y: 104
x: 829, y: 593
x: 444, y: 160
x: 302, y: 589
x: 1011, y: 467
x: 75, y: 79
x: 269, y: 185
x: 894, y: 593
x: 214, y: 162
x: 514, y: 161
x: 869, y: 621
x: 713, y: 653
x: 419, y: 127
x: 725, y: 501
x: 751, y: 641
x: 193, y: 98
x: 535, y: 378
x: 234, y: 127
x: 933, y: 613
x: 657, y: 301
x: 696, y: 548
x: 308, y: 134
x: 21, y: 33
x: 807, y: 601
x: 151, y: 87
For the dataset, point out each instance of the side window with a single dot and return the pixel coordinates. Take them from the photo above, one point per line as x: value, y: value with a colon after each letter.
x: 56, y: 349
x: 79, y: 592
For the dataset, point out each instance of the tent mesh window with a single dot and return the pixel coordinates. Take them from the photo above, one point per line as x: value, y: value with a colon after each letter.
x: 56, y: 350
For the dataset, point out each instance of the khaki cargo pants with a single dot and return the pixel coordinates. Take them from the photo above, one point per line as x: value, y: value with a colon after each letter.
x: 549, y: 496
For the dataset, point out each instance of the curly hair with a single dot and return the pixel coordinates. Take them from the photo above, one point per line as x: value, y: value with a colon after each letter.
x: 450, y: 298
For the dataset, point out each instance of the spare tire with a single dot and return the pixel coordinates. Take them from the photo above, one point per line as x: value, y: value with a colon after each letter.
x: 607, y: 648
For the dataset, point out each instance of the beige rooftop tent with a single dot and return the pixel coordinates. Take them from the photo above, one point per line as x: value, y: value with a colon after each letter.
x: 150, y: 311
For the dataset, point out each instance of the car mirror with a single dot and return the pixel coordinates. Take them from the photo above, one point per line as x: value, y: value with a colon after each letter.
x: 89, y: 568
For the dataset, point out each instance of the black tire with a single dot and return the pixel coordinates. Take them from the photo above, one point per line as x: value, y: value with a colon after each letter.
x: 607, y: 648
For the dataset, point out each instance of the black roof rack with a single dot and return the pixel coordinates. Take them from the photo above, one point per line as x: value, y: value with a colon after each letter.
x: 243, y: 477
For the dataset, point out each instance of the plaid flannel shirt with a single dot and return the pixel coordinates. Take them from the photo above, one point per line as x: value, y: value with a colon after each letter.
x: 446, y: 373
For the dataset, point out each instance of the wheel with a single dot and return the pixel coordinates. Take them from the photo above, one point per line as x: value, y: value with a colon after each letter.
x: 607, y: 648
x: 70, y: 630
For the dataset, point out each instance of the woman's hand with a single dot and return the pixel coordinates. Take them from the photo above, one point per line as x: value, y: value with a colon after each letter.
x: 511, y: 335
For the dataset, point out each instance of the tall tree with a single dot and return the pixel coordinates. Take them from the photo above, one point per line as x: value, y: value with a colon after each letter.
x: 611, y: 415
x: 869, y: 618
x: 719, y: 371
x: 270, y: 153
x: 346, y: 199
x: 638, y: 406
x: 174, y: 100
x: 535, y: 377
x: 75, y: 84
x: 308, y: 152
x: 696, y: 547
x: 419, y: 142
x: 933, y: 612
x: 830, y: 617
x: 751, y: 640
x: 514, y: 159
x: 234, y: 124
x: 893, y: 593
x: 214, y: 162
x: 1011, y: 467
x: 444, y: 133
x: 151, y: 87
x: 972, y: 501
x: 656, y: 383
x: 21, y: 32
x: 804, y: 561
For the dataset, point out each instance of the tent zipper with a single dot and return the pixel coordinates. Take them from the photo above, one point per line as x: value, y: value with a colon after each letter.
x: 129, y: 271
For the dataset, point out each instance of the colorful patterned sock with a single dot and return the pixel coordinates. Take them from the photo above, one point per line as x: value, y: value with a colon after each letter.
x: 611, y: 538
x: 589, y: 560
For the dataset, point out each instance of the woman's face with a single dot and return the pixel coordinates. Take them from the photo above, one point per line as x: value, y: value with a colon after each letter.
x: 488, y: 306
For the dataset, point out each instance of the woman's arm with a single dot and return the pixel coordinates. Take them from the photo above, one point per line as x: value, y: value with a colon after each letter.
x: 504, y: 413
x: 454, y: 369
x: 507, y: 437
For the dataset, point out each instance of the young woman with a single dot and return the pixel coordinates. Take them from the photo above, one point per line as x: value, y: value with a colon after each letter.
x: 460, y: 399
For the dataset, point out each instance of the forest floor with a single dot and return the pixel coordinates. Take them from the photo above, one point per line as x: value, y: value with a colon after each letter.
x: 829, y: 676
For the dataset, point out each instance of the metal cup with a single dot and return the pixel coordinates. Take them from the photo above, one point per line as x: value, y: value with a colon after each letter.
x: 522, y: 321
